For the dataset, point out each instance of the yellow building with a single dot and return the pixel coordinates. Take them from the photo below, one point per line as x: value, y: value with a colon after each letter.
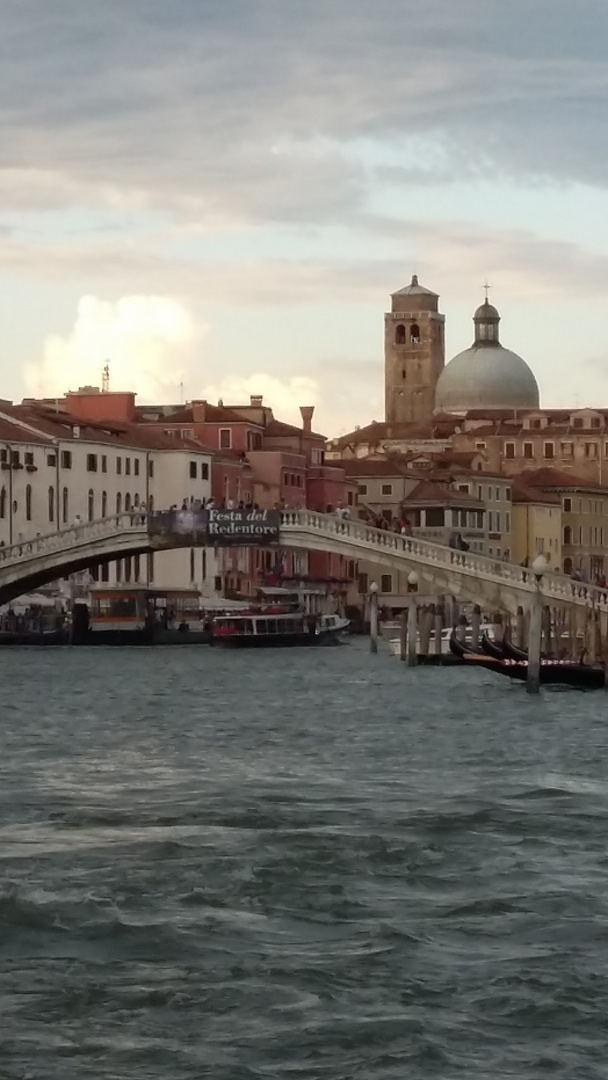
x: 536, y: 525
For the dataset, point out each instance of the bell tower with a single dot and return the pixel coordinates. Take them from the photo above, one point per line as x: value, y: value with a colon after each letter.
x: 414, y: 354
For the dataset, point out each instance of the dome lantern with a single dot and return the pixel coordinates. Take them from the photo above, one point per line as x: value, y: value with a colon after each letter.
x: 486, y: 320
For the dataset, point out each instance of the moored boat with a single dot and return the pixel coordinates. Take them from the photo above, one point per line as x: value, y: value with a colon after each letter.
x: 273, y: 627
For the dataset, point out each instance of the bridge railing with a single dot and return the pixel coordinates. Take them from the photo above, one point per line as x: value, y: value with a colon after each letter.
x: 555, y: 587
x: 366, y: 538
x: 72, y: 536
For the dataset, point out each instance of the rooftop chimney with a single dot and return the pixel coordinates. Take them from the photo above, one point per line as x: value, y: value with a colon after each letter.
x: 255, y: 400
x: 306, y: 412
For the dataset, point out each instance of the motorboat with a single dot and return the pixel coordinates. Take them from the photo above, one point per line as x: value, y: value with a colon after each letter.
x: 272, y: 627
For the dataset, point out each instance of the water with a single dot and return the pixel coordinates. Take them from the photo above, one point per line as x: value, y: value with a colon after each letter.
x: 297, y: 864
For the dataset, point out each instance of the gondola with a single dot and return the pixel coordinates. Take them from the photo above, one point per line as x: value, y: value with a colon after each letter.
x: 513, y: 652
x: 552, y: 672
x: 491, y: 648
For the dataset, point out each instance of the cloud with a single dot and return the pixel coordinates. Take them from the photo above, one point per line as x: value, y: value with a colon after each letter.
x: 150, y: 342
x: 283, y: 395
x: 249, y: 112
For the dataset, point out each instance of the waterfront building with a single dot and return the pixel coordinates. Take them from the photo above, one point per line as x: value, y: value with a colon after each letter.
x: 536, y: 525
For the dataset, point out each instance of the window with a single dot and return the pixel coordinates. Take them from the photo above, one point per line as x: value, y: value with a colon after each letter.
x: 568, y: 534
x: 51, y: 498
x: 91, y: 505
x: 15, y: 459
x: 217, y: 583
x: 491, y: 521
x: 567, y: 449
x: 118, y: 465
x: 203, y: 564
x: 135, y: 466
x: 65, y: 506
x: 193, y: 470
x: 568, y: 505
x: 205, y: 471
x: 151, y: 566
x: 104, y: 504
x: 136, y: 569
x: 508, y: 494
x: 150, y: 468
x: 91, y: 462
x: 4, y: 456
x: 528, y: 450
x: 535, y: 424
x: 28, y: 503
x: 387, y: 489
x: 415, y: 334
x: 435, y: 516
x: 225, y: 439
x: 363, y: 583
x: 480, y: 446
x: 549, y: 450
x: 497, y: 521
x: 66, y: 459
x: 127, y: 466
x: 590, y: 450
x: 192, y: 571
x: 386, y: 583
x: 51, y: 460
x: 403, y: 373
x: 577, y: 422
x: 464, y: 488
x: 510, y: 451
x: 118, y: 503
x: 28, y: 457
x: 400, y: 335
x: 363, y: 489
x: 507, y: 523
x: 3, y: 503
x: 127, y: 502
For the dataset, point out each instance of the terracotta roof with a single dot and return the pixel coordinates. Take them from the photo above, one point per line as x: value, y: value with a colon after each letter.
x: 360, y: 467
x: 428, y: 491
x: 520, y: 493
x: 558, y: 479
x: 278, y: 427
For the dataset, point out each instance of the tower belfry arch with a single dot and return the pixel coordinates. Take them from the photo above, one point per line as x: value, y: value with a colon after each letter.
x: 414, y: 353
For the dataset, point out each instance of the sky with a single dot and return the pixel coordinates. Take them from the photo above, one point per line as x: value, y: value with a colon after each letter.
x: 217, y: 197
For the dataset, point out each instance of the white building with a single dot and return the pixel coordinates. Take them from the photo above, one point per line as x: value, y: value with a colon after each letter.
x: 54, y: 469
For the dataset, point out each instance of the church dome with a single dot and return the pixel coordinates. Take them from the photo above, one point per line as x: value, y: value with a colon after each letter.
x: 486, y: 376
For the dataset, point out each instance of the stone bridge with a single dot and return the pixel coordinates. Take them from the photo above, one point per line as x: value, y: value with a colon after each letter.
x: 495, y: 586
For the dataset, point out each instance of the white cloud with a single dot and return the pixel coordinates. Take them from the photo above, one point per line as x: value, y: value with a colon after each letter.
x: 284, y: 396
x: 152, y: 344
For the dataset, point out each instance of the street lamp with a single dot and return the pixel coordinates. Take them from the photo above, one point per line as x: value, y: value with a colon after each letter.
x: 412, y: 619
x: 373, y: 617
x: 539, y: 567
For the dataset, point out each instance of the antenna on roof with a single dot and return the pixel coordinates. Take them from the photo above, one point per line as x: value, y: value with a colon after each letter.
x: 181, y: 393
x: 105, y: 379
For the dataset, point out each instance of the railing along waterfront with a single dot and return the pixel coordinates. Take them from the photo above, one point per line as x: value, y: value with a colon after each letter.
x: 365, y: 539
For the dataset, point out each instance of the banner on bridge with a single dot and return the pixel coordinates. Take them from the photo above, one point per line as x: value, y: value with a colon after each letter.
x: 191, y: 526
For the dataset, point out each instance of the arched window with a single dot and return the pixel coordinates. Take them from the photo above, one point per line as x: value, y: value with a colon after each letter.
x: 65, y: 506
x: 118, y: 503
x: 91, y: 505
x: 127, y: 502
x: 404, y: 374
x: 3, y: 503
x: 51, y: 504
x: 567, y: 566
x: 104, y: 504
x: 415, y: 334
x: 136, y: 500
x: 568, y: 534
x: 28, y: 503
x: 400, y: 335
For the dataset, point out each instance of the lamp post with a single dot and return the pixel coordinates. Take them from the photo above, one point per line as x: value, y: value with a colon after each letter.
x: 373, y: 617
x: 539, y: 567
x: 412, y: 613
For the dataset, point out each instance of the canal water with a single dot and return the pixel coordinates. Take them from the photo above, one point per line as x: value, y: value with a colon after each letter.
x: 298, y: 864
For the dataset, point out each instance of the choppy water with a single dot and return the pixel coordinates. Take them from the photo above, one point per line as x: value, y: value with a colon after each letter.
x: 298, y: 864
